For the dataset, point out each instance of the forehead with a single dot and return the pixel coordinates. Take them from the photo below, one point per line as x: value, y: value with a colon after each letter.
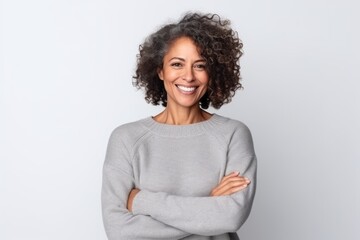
x: 183, y: 46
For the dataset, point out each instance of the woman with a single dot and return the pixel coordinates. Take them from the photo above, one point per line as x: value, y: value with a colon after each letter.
x: 184, y: 173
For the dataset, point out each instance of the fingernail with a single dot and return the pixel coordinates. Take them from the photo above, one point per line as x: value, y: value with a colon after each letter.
x: 236, y: 173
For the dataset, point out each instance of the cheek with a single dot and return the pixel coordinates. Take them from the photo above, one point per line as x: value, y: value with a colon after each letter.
x: 173, y: 75
x: 169, y: 77
x: 204, y: 79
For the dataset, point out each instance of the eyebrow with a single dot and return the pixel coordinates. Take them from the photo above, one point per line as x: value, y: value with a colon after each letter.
x: 183, y: 60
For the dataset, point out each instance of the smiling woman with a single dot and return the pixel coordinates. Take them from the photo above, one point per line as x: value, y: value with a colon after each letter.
x: 184, y: 173
x: 185, y: 81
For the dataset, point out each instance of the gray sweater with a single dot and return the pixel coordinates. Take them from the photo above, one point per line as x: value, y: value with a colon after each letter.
x: 176, y: 167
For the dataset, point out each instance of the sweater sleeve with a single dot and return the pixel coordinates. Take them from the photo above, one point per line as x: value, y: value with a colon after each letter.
x: 208, y: 216
x: 118, y: 181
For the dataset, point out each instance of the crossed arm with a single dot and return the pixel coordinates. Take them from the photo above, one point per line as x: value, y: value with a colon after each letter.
x: 229, y: 184
x: 130, y: 213
x: 156, y: 222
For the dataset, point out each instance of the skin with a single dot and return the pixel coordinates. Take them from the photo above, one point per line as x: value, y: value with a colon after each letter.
x: 183, y: 69
x: 186, y: 81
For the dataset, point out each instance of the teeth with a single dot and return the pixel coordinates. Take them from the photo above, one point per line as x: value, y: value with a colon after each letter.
x: 186, y: 89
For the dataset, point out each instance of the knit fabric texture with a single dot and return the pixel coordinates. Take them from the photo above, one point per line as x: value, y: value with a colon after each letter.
x: 176, y: 167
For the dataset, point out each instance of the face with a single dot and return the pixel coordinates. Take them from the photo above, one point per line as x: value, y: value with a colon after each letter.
x: 184, y: 74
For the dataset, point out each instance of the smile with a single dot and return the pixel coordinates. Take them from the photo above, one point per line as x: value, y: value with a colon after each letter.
x: 186, y: 89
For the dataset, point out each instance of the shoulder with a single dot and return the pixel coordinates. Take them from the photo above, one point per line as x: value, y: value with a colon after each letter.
x: 129, y: 132
x: 230, y: 125
x: 235, y: 133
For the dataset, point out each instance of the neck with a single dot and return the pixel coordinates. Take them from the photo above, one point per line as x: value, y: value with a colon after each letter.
x: 182, y: 116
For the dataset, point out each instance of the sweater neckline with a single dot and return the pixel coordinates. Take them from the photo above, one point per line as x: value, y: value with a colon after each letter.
x: 187, y: 130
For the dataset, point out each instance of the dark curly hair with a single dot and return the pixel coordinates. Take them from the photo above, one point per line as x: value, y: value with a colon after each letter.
x: 218, y: 44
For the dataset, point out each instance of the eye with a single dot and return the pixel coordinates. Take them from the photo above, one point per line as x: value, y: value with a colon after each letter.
x: 200, y: 66
x: 176, y: 64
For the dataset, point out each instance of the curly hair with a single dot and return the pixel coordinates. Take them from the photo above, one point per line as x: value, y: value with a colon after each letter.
x: 218, y: 44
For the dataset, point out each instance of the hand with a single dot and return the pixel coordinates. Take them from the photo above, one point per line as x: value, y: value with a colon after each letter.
x: 230, y: 184
x: 131, y: 197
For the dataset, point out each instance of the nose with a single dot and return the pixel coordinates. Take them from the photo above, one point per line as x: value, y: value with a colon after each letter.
x: 188, y: 74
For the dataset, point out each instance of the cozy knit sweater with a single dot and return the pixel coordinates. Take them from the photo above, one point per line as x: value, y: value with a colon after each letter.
x: 176, y: 167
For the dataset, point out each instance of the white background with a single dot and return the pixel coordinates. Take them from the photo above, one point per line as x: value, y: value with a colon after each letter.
x: 65, y: 83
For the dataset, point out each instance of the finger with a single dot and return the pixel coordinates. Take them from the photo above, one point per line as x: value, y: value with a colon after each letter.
x: 234, y: 190
x: 233, y: 174
x: 232, y: 183
x: 232, y: 179
x: 228, y: 191
x: 228, y: 183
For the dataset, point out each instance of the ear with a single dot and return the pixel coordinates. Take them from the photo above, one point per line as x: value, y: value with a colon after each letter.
x: 160, y: 74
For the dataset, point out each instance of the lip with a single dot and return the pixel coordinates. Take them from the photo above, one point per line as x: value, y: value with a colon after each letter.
x: 187, y: 86
x: 186, y: 89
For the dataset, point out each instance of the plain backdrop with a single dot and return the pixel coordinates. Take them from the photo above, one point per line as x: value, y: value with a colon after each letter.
x: 66, y: 83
